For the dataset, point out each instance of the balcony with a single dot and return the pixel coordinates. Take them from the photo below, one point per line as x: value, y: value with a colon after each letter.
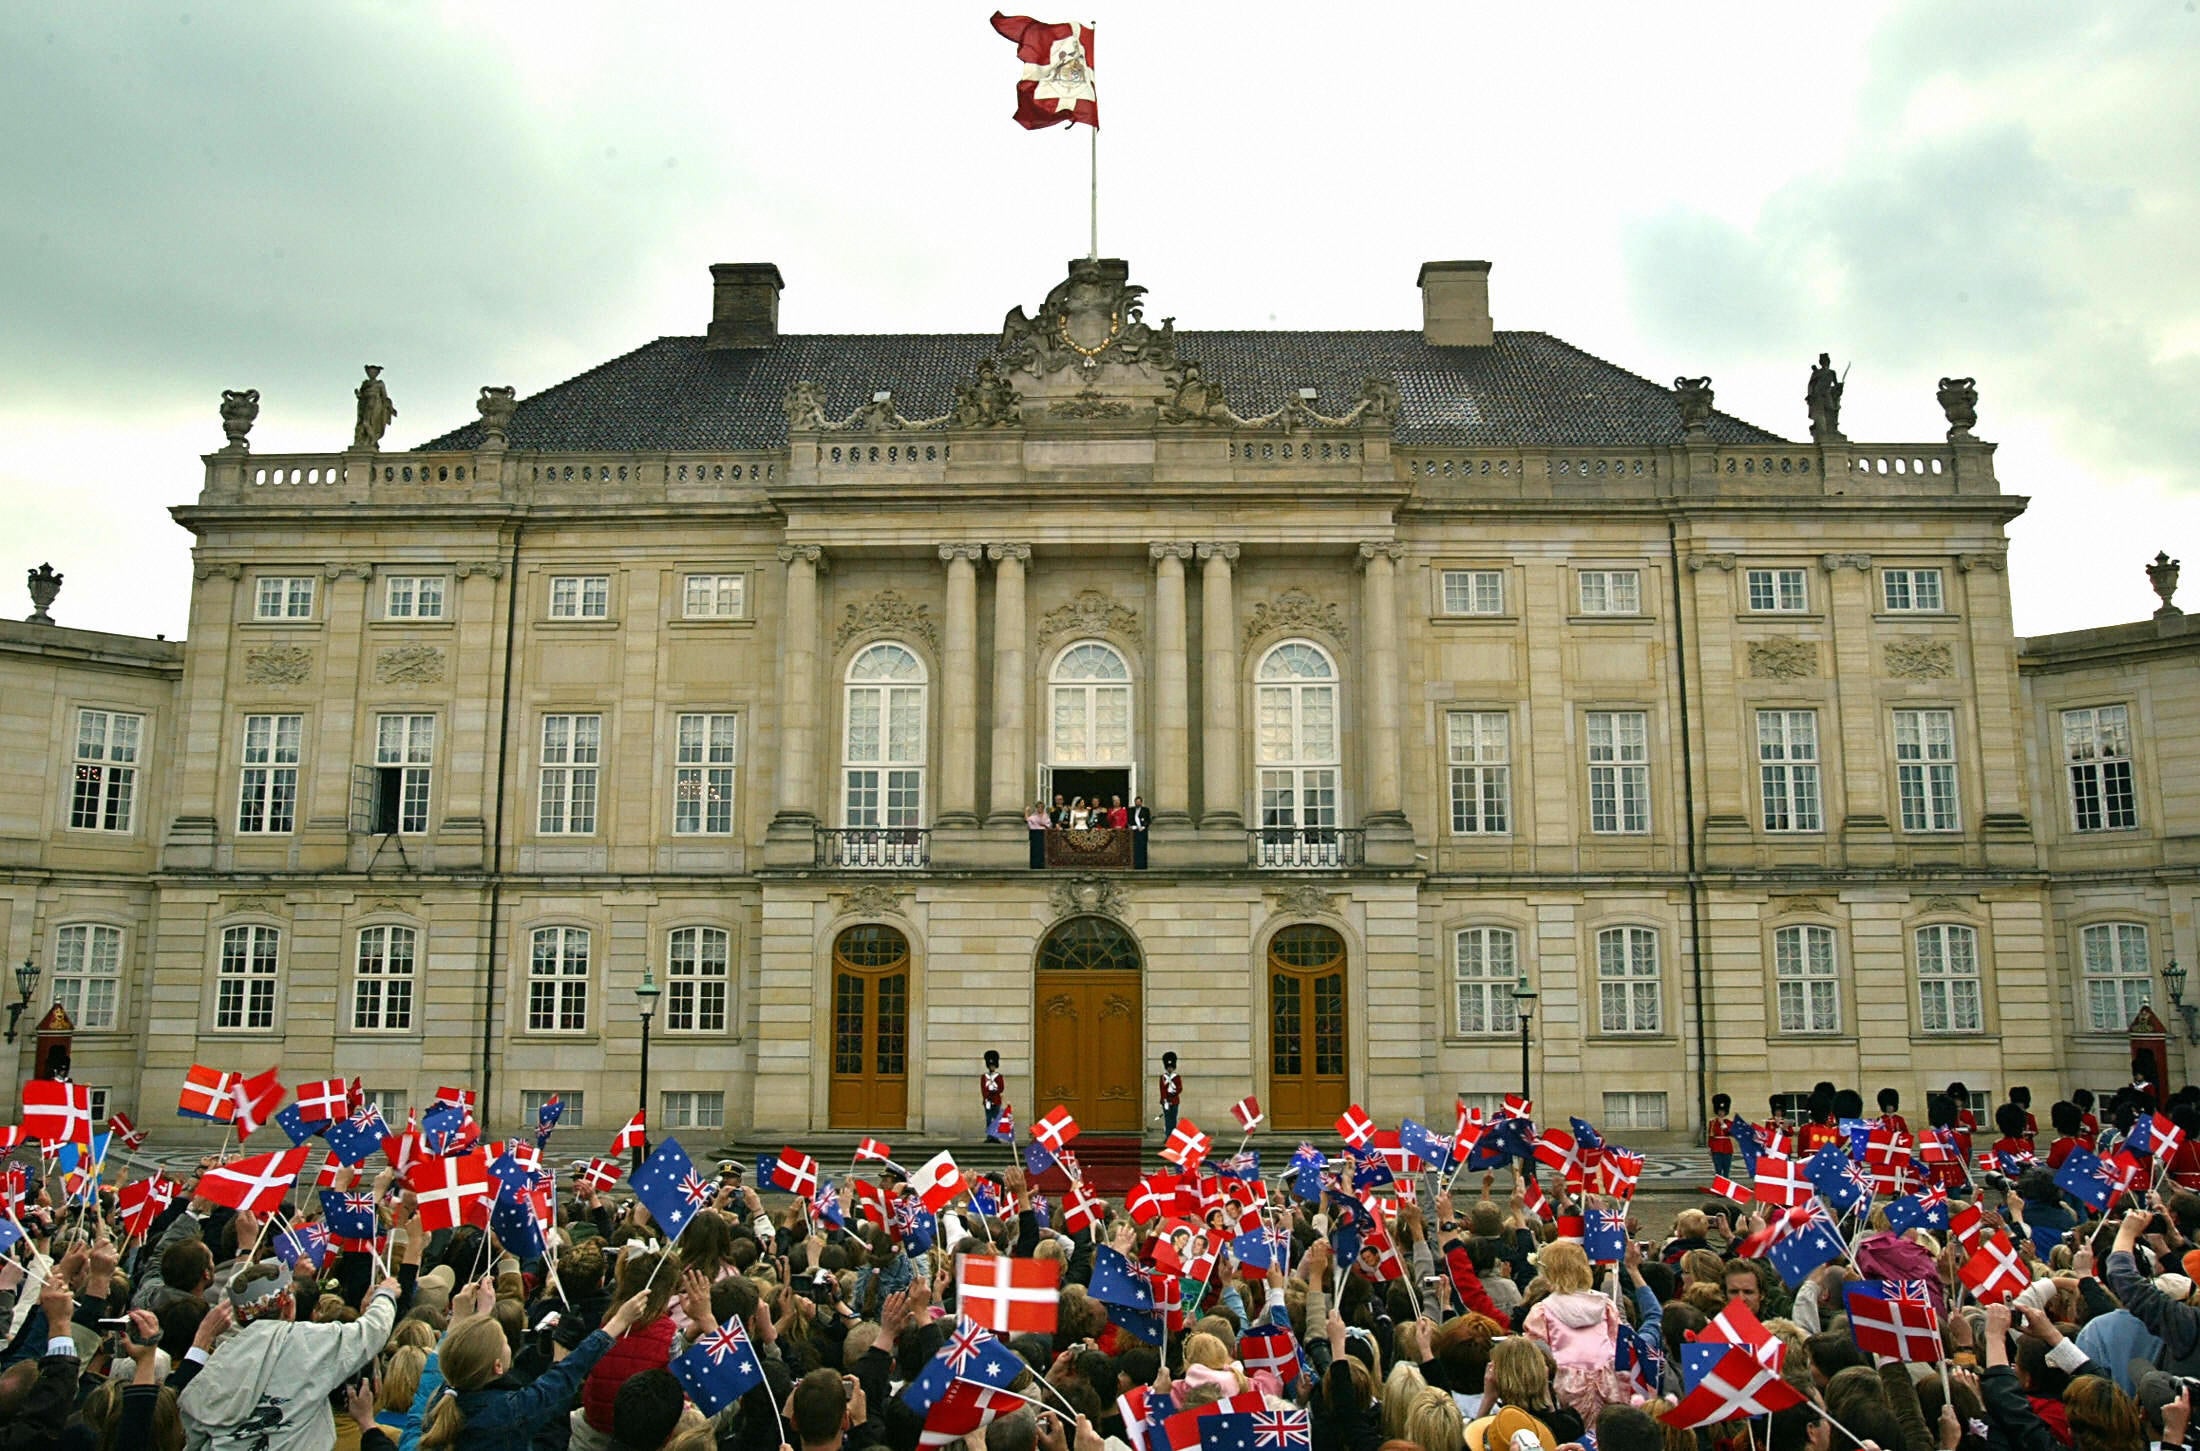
x: 874, y: 848
x: 1305, y: 848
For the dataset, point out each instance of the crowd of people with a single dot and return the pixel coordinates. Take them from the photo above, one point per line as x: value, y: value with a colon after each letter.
x: 1471, y: 1315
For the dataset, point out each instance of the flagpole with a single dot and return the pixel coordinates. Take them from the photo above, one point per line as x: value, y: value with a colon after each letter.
x: 1094, y: 254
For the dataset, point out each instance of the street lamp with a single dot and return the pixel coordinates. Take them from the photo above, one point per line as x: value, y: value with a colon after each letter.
x: 645, y: 993
x: 1524, y: 1009
x: 26, y: 980
x: 2173, y: 978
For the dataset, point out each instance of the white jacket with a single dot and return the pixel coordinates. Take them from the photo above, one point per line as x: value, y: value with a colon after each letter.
x: 267, y: 1386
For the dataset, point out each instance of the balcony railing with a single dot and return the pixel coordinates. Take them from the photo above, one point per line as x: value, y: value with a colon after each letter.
x: 1305, y: 848
x: 874, y: 848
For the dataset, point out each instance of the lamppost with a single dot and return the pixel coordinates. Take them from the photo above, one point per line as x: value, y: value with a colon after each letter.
x: 26, y: 980
x: 1524, y: 1009
x: 645, y: 993
x: 2173, y: 978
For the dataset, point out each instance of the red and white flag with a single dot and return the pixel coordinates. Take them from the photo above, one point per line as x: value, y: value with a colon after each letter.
x: 874, y: 1150
x: 1055, y: 1130
x: 1152, y: 1197
x: 324, y: 1102
x: 1081, y: 1211
x: 601, y: 1174
x: 1738, y: 1384
x: 448, y: 1189
x: 256, y: 1099
x: 1247, y: 1112
x: 1358, y: 1129
x: 1995, y: 1272
x: 141, y: 1202
x: 458, y: 1098
x: 1187, y: 1147
x: 1967, y: 1225
x: 1738, y: 1325
x: 795, y: 1172
x: 11, y: 1137
x: 870, y: 1202
x: 55, y: 1112
x: 127, y: 1134
x: 1516, y: 1106
x: 256, y: 1184
x: 1057, y: 88
x: 1900, y: 1325
x: 1008, y: 1296
x: 1782, y: 1182
x: 628, y: 1139
x: 937, y: 1181
x: 1618, y: 1172
x: 1531, y: 1197
x: 208, y: 1094
x: 1726, y: 1188
x: 331, y: 1169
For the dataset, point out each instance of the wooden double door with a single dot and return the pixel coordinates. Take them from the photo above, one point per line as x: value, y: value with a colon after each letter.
x: 1307, y: 1087
x: 1088, y: 1005
x: 869, y: 1031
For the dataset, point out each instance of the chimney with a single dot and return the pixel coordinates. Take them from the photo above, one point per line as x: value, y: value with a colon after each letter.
x: 744, y: 305
x: 1455, y: 304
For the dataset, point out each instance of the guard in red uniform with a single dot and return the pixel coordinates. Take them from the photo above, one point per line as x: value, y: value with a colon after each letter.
x: 1966, y: 1122
x: 1172, y: 1092
x: 1890, y: 1104
x: 2069, y: 1133
x: 2022, y: 1098
x: 992, y: 1090
x: 2089, y: 1122
x: 1719, y: 1135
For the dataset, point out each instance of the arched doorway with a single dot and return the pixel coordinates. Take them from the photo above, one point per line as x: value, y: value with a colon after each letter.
x: 1088, y: 1052
x: 870, y: 1029
x: 1306, y: 1027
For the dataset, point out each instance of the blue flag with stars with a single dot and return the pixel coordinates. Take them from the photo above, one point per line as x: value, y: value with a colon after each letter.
x: 354, y: 1138
x: 1307, y: 1165
x: 1745, y: 1140
x: 669, y: 1187
x: 292, y: 1121
x: 546, y: 1119
x: 1834, y: 1175
x: 513, y: 1221
x: 1036, y: 1158
x: 971, y: 1353
x: 1816, y: 1243
x: 349, y: 1213
x: 1368, y: 1169
x: 1604, y: 1235
x: 307, y: 1242
x: 718, y: 1369
x: 1505, y: 1140
x: 2083, y: 1176
x: 1912, y: 1212
x: 1425, y: 1144
x: 1114, y: 1284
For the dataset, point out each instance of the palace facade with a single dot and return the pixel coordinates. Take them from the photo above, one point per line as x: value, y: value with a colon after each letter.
x: 1448, y: 662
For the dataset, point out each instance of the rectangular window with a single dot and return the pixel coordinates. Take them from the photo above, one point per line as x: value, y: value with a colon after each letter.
x: 388, y: 1102
x: 702, y: 775
x: 404, y: 752
x: 2097, y: 751
x: 695, y: 981
x: 1808, y: 989
x: 570, y: 1107
x: 1629, y: 999
x: 244, y: 986
x: 2119, y: 978
x: 1911, y: 591
x: 572, y: 749
x: 557, y: 981
x: 1634, y: 1111
x: 267, y: 791
x: 1474, y: 591
x: 103, y: 796
x: 87, y: 974
x: 382, y: 985
x: 283, y: 597
x: 1619, y: 772
x: 1488, y: 963
x: 1480, y: 746
x: 580, y: 597
x: 713, y: 596
x: 413, y: 597
x: 1787, y: 769
x: 99, y: 1098
x: 693, y: 1111
x: 1948, y: 995
x: 1778, y: 591
x: 1489, y: 1105
x: 1925, y: 769
x: 1611, y: 591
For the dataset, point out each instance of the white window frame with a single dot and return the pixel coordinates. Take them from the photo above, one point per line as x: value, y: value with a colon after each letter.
x: 87, y: 974
x: 1787, y: 771
x: 706, y: 748
x: 1618, y: 744
x: 1464, y: 592
x: 570, y: 775
x: 2097, y: 761
x: 1806, y: 980
x: 573, y: 1111
x: 713, y: 596
x: 284, y: 596
x: 248, y: 978
x: 1913, y: 590
x: 692, y: 1108
x: 1951, y: 994
x: 385, y: 978
x: 405, y: 743
x: 1776, y: 590
x: 698, y: 979
x: 1298, y: 758
x: 1478, y: 750
x: 1630, y: 1000
x: 1635, y: 1110
x: 1090, y: 708
x: 103, y: 787
x: 559, y: 965
x: 1485, y: 970
x: 1925, y: 770
x: 2114, y: 958
x: 414, y: 596
x: 580, y: 597
x: 267, y: 778
x: 882, y: 776
x: 98, y: 1096
x: 1609, y: 591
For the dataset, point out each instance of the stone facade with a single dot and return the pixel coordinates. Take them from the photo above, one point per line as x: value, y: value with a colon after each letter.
x: 704, y: 607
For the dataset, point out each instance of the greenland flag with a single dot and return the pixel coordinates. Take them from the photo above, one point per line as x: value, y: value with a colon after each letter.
x: 938, y: 1181
x: 1057, y: 88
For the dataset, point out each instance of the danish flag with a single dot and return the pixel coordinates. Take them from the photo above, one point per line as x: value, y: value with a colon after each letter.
x: 870, y: 1202
x: 325, y: 1101
x: 255, y: 1185
x: 1358, y: 1129
x: 795, y: 1172
x: 1618, y: 1172
x: 1152, y: 1197
x: 447, y: 1189
x: 600, y: 1174
x: 1531, y: 1198
x: 938, y: 1181
x: 1516, y: 1106
x: 1008, y: 1296
x: 1737, y: 1325
x: 1995, y: 1272
x: 1726, y: 1188
x: 1738, y: 1384
x: 1247, y: 1112
x: 208, y: 1093
x: 1886, y: 1320
x: 873, y: 1149
x: 331, y: 1166
x: 2156, y: 1136
x: 1055, y: 1130
x: 256, y: 1100
x: 628, y: 1139
x: 1966, y: 1227
x: 458, y: 1098
x: 1781, y: 1181
x: 55, y: 1112
x: 12, y: 1137
x: 1081, y: 1211
x: 1556, y: 1149
x: 128, y: 1134
x: 1188, y: 1146
x: 141, y: 1202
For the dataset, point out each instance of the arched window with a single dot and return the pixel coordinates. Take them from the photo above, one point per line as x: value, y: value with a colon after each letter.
x: 1808, y: 985
x: 882, y: 739
x: 1091, y: 944
x: 1488, y: 964
x: 1630, y: 997
x: 2118, y: 977
x: 1295, y: 742
x: 1090, y: 708
x: 1306, y: 1026
x: 870, y: 1028
x: 87, y: 973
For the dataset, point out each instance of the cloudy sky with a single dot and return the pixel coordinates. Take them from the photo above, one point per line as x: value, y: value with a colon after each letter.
x: 228, y: 195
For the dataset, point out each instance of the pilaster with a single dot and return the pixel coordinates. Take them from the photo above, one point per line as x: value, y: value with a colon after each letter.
x: 1222, y: 788
x: 1172, y: 731
x: 959, y: 690
x: 791, y: 840
x: 1012, y: 778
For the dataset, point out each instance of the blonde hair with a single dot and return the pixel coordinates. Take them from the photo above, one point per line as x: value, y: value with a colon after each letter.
x: 1691, y: 1224
x: 413, y: 1333
x: 1400, y: 1391
x: 1520, y: 1373
x: 1434, y: 1424
x: 1208, y: 1350
x: 468, y: 1358
x: 1702, y: 1267
x: 1566, y: 1266
x: 401, y: 1378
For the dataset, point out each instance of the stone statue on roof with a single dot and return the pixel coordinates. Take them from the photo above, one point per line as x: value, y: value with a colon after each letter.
x: 1380, y: 400
x: 1959, y: 401
x: 987, y: 401
x: 1091, y: 316
x: 375, y: 412
x: 1192, y: 399
x: 1823, y: 397
x: 239, y: 408
x: 1693, y: 395
x: 496, y: 405
x: 804, y: 405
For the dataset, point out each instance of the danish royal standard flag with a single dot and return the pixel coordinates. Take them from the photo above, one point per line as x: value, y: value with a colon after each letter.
x: 254, y: 1185
x: 1057, y: 88
x: 55, y: 1112
x: 1055, y: 1130
x: 208, y: 1093
x: 1008, y: 1296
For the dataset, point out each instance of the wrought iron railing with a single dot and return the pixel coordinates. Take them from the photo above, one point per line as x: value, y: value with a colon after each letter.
x: 1305, y: 848
x: 874, y: 848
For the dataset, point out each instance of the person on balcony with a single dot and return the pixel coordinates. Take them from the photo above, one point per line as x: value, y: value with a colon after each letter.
x: 1080, y: 816
x: 1119, y: 815
x: 1141, y: 823
x: 1037, y: 821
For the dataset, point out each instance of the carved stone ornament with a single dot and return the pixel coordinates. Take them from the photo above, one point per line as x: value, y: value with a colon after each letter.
x: 872, y: 899
x: 1783, y: 658
x: 1830, y: 563
x: 496, y: 407
x: 465, y: 568
x: 260, y: 905
x: 240, y: 406
x: 889, y: 612
x: 1920, y: 659
x: 1959, y: 401
x: 1292, y: 611
x: 45, y: 586
x: 409, y: 665
x: 1793, y: 906
x: 227, y: 570
x: 1693, y: 397
x: 1304, y: 899
x: 987, y: 401
x: 1697, y: 563
x: 1944, y: 904
x: 2161, y: 577
x: 1092, y: 316
x: 1091, y: 613
x: 1822, y: 396
x: 1087, y: 896
x: 278, y: 665
x: 1089, y: 404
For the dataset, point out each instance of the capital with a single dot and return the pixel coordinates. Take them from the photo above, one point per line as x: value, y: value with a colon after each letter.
x: 1169, y: 551
x: 1994, y: 562
x: 1228, y: 553
x: 1833, y: 562
x: 491, y: 567
x: 1021, y: 553
x: 226, y: 571
x: 344, y: 571
x: 807, y: 553
x: 1700, y: 562
x: 1380, y: 549
x: 949, y: 553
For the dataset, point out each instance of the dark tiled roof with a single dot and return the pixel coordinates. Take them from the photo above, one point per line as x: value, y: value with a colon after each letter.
x: 1527, y: 389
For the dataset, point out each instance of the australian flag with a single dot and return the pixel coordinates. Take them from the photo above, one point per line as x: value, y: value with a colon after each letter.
x: 512, y: 1218
x: 825, y: 1205
x: 448, y: 1129
x: 1368, y: 1169
x: 1425, y: 1144
x: 2083, y: 1176
x: 1259, y: 1249
x: 1586, y: 1136
x: 1605, y: 1236
x: 350, y: 1215
x: 920, y: 1230
x: 1816, y: 1243
x: 1348, y: 1219
x: 1306, y: 1166
x: 1505, y: 1140
x: 354, y: 1138
x: 1745, y: 1142
x: 1639, y: 1357
x: 669, y: 1187
x: 1036, y: 1159
x: 972, y: 1354
x: 1127, y: 1295
x: 1245, y: 1166
x: 308, y: 1242
x: 718, y: 1369
x: 1918, y: 1211
x: 292, y: 1121
x: 983, y: 1199
x: 546, y: 1119
x: 1837, y: 1179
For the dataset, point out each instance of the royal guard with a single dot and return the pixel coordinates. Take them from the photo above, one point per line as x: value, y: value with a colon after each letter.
x: 1966, y: 1122
x: 1890, y: 1111
x: 992, y: 1090
x: 2089, y: 1122
x: 1172, y: 1092
x: 1719, y: 1135
x: 2069, y: 1133
x: 2022, y: 1098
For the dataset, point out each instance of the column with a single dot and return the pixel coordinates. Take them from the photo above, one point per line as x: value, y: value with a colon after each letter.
x: 1218, y: 669
x: 1385, y: 799
x: 1171, y: 785
x: 798, y: 690
x: 959, y: 689
x: 1012, y: 779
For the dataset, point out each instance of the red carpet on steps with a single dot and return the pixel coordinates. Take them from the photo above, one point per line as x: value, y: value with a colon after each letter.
x: 1110, y: 1163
